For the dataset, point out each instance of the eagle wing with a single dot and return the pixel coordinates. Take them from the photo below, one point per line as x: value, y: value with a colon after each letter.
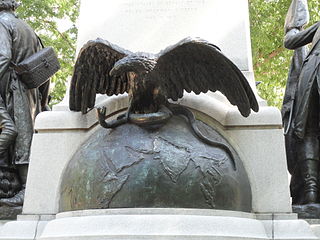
x: 198, y: 66
x: 91, y: 74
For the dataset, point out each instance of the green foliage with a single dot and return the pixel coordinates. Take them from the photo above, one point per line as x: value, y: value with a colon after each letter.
x: 271, y: 60
x: 44, y: 16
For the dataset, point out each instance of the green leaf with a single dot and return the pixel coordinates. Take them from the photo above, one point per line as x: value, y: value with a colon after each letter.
x: 44, y: 17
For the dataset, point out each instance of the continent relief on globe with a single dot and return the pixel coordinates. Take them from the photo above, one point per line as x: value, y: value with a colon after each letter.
x: 130, y: 167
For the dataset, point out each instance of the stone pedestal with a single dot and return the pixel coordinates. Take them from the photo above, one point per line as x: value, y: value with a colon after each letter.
x: 141, y: 25
x: 179, y: 224
x: 150, y: 26
x: 258, y: 140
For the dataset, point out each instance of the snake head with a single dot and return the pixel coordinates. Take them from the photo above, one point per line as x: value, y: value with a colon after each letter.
x: 101, y: 112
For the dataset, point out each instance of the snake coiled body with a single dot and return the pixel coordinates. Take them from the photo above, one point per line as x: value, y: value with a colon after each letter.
x: 181, y: 110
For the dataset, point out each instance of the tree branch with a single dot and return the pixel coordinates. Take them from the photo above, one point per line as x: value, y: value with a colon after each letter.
x: 61, y: 35
x: 269, y: 56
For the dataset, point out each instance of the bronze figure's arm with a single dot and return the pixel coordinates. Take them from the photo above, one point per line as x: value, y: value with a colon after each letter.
x: 8, y: 132
x: 296, y: 38
x: 5, y: 50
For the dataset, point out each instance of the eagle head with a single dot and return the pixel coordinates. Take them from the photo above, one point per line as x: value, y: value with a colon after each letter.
x: 137, y: 63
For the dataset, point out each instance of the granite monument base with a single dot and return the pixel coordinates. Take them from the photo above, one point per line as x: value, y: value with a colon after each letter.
x: 177, y: 224
x: 66, y: 131
x: 270, y: 216
x: 155, y: 224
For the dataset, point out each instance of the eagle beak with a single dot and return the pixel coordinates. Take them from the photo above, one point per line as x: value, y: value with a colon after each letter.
x: 117, y: 69
x: 113, y: 71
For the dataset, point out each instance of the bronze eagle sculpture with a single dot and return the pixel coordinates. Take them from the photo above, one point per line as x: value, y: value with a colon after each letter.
x: 150, y: 80
x: 192, y: 64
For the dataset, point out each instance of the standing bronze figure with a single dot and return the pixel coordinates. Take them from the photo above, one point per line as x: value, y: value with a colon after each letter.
x: 20, y: 104
x: 301, y: 106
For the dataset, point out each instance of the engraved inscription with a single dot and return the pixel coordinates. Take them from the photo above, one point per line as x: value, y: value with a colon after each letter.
x: 163, y: 9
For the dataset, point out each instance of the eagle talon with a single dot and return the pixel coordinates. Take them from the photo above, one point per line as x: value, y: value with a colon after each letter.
x: 112, y: 124
x: 127, y: 116
x: 102, y: 116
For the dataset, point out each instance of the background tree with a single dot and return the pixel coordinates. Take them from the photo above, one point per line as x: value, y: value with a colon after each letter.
x: 271, y: 60
x: 54, y: 21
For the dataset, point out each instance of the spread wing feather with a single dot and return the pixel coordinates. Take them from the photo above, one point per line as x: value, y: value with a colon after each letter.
x: 198, y: 66
x: 91, y: 74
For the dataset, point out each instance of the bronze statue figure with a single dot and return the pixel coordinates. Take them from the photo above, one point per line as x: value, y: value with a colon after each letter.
x: 19, y: 105
x: 150, y: 80
x: 302, y: 106
x: 9, y: 180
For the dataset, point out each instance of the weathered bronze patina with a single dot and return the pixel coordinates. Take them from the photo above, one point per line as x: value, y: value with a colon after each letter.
x: 150, y: 80
x: 301, y: 106
x: 19, y: 105
x: 131, y: 167
x: 151, y: 158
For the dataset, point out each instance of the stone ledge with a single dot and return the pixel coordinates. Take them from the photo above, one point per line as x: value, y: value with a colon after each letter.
x: 156, y: 211
x: 158, y: 224
x: 214, y: 105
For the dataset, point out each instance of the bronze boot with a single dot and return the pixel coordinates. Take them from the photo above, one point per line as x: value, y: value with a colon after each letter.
x: 15, y: 201
x: 309, y: 171
x: 18, y: 199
